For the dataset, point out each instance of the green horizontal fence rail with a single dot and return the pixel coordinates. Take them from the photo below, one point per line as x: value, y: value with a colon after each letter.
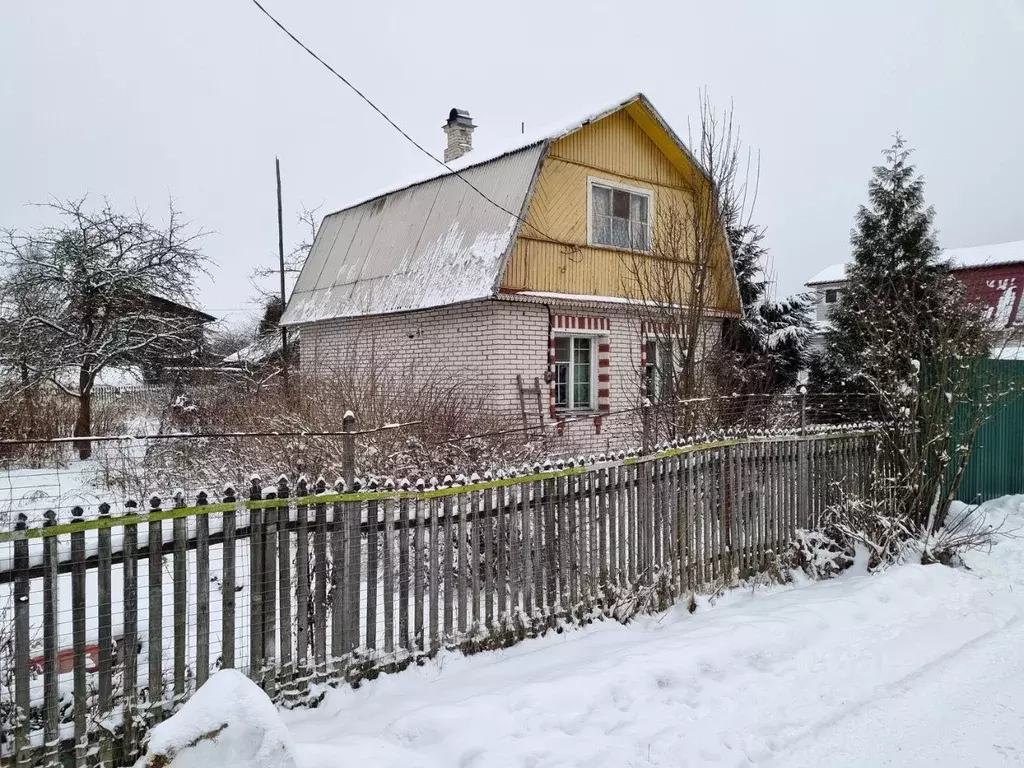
x: 115, y: 621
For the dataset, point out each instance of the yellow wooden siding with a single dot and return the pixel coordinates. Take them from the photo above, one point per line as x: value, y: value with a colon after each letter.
x: 617, y: 150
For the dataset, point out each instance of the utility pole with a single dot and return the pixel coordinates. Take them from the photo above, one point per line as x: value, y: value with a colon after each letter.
x: 280, y: 256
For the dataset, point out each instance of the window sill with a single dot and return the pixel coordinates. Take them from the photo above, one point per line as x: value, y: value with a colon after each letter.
x: 617, y: 249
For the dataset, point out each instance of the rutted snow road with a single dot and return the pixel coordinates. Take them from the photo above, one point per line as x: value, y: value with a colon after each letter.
x: 916, y: 666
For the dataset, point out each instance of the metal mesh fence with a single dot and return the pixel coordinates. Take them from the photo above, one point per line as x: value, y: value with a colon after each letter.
x: 114, y: 618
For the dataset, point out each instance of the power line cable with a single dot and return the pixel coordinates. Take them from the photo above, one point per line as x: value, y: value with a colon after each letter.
x: 398, y: 128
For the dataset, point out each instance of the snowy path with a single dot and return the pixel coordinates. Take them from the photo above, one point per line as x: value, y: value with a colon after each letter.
x: 917, y: 666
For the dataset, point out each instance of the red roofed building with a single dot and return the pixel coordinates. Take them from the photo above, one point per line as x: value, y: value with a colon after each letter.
x: 993, y: 274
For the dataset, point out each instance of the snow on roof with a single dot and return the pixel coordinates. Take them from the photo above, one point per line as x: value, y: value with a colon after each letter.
x: 986, y: 255
x: 257, y: 352
x: 434, y: 240
x: 429, y: 245
x: 833, y: 273
x: 958, y: 258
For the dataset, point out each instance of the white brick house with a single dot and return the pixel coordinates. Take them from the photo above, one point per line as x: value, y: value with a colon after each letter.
x: 508, y: 271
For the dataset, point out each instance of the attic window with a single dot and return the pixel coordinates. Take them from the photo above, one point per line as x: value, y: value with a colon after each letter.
x: 620, y: 217
x: 831, y: 295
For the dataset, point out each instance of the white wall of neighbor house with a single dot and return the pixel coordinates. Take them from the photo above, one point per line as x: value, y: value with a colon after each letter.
x: 826, y: 296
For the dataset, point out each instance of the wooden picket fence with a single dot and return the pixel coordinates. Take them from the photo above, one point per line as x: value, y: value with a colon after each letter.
x: 117, y: 620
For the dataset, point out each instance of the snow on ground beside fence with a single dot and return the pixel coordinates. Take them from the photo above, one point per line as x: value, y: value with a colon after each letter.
x: 919, y: 665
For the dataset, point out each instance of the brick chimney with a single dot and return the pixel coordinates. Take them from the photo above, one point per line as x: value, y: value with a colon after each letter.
x: 459, y: 130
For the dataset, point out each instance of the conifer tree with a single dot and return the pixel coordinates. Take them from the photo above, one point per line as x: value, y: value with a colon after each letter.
x: 904, y: 334
x: 896, y: 305
x: 767, y: 346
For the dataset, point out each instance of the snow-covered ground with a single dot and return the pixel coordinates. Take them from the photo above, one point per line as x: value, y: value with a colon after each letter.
x: 915, y: 666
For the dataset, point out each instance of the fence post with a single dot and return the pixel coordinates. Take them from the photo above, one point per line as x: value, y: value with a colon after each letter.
x: 130, y: 636
x: 352, y: 528
x: 22, y: 699
x: 803, y: 410
x: 803, y: 467
x: 284, y: 585
x: 202, y: 660
x: 51, y: 683
x: 103, y: 590
x: 179, y: 599
x: 645, y: 419
x: 78, y: 637
x: 227, y: 582
x: 302, y: 582
x: 154, y: 645
x: 255, y: 581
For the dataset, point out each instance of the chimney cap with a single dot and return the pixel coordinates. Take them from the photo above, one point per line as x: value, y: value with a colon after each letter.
x: 460, y: 117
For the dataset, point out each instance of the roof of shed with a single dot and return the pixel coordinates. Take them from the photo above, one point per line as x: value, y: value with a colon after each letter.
x: 434, y: 241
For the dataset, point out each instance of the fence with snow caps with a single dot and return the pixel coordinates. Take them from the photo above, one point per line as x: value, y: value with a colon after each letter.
x: 117, y: 620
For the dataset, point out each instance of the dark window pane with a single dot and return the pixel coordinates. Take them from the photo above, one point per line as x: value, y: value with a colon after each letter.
x: 562, y: 349
x: 620, y: 204
x: 562, y: 384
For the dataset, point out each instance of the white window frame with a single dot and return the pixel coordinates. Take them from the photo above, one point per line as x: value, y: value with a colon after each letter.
x: 593, y: 181
x: 595, y: 341
x: 827, y: 291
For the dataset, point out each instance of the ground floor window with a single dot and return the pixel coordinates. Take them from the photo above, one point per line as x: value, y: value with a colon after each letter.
x: 659, y: 369
x: 575, y: 377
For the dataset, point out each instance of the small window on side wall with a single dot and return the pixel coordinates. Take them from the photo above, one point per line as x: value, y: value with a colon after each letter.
x: 659, y: 369
x: 620, y: 218
x: 831, y: 295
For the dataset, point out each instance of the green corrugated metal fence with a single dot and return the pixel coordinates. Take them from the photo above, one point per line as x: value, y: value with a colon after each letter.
x: 997, y: 464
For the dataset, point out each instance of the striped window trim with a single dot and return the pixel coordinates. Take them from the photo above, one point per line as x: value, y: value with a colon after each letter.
x: 583, y: 325
x: 658, y: 329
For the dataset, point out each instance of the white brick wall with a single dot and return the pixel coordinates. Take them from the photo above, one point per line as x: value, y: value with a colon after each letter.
x: 480, y: 346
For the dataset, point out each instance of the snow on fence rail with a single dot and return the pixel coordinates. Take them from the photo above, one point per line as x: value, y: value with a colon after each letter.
x: 117, y: 620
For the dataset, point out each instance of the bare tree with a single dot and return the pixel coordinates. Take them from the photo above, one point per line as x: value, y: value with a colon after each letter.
x: 263, y: 275
x: 681, y: 270
x: 97, y: 279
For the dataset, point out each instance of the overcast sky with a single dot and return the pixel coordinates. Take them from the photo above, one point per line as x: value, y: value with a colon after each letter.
x: 192, y: 99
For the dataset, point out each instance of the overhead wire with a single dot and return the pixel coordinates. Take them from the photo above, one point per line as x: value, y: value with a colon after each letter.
x: 402, y: 131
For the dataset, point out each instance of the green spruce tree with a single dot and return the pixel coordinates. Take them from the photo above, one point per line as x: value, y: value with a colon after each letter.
x: 899, y: 291
x: 766, y: 347
x: 904, y: 336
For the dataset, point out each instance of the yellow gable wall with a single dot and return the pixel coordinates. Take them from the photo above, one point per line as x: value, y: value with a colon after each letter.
x: 618, y: 150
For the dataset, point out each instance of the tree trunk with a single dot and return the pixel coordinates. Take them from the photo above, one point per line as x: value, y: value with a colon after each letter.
x: 83, y: 424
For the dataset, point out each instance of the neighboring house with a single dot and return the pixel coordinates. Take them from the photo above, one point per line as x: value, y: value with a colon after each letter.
x: 993, y: 275
x: 263, y: 353
x: 186, y: 350
x: 525, y: 299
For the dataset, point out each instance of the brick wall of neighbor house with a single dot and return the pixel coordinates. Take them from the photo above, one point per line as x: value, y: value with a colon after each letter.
x: 483, y: 345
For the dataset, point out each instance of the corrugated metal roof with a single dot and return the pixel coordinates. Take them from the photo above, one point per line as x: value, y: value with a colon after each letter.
x: 429, y: 245
x: 431, y: 241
